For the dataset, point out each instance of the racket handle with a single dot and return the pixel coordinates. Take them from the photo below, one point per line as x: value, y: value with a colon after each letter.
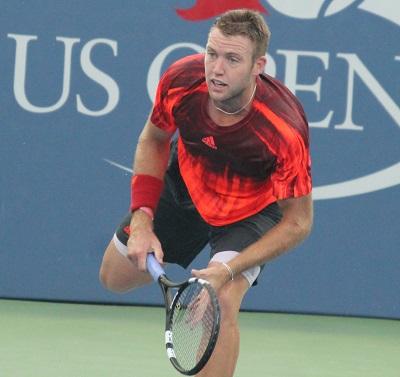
x: 154, y: 267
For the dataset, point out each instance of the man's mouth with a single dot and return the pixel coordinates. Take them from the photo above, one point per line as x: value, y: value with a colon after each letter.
x: 218, y: 83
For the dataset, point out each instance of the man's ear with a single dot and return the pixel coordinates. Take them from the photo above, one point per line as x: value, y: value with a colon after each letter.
x: 259, y: 65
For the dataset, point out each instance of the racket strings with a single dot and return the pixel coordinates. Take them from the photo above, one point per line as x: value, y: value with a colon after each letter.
x: 192, y: 324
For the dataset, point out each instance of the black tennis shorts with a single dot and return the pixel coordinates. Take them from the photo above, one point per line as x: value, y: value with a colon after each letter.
x: 184, y: 234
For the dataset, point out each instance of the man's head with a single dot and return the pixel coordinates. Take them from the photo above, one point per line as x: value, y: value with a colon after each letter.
x: 246, y: 23
x: 235, y: 56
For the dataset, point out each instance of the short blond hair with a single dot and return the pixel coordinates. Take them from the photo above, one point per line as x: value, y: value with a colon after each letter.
x: 248, y: 23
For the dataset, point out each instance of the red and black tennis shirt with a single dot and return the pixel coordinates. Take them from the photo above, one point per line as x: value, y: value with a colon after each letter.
x: 234, y: 172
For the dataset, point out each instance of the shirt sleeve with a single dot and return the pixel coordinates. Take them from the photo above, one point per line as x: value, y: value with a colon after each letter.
x: 164, y: 101
x: 292, y: 177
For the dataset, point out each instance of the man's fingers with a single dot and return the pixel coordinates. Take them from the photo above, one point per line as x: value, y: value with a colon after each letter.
x: 198, y: 273
x: 158, y: 253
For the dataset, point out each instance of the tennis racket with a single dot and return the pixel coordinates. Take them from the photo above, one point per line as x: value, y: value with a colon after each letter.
x: 192, y: 319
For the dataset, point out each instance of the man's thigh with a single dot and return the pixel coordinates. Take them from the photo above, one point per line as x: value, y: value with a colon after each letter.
x: 118, y: 273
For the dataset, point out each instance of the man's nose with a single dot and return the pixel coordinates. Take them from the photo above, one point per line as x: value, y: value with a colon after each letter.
x: 218, y: 67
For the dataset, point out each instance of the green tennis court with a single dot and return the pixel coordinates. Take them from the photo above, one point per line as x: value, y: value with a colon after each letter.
x: 71, y: 340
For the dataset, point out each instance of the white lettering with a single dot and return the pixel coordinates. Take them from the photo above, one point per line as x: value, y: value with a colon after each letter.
x: 21, y: 49
x: 357, y: 66
x: 100, y: 77
x: 291, y: 70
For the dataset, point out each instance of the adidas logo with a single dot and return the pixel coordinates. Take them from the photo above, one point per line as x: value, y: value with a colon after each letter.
x: 209, y: 140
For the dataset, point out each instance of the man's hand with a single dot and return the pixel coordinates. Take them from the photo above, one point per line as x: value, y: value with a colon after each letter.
x: 142, y: 240
x: 216, y: 274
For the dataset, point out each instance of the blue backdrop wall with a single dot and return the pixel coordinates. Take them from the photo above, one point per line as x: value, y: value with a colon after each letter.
x: 77, y: 79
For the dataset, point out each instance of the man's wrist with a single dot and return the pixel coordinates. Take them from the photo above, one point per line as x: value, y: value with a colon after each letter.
x: 145, y: 191
x: 141, y: 220
x: 148, y: 211
x: 229, y: 269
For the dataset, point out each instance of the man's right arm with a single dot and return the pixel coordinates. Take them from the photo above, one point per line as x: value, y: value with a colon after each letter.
x: 152, y: 151
x: 151, y: 158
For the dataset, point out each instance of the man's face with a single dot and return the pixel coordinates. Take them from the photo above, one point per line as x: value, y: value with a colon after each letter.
x: 229, y: 67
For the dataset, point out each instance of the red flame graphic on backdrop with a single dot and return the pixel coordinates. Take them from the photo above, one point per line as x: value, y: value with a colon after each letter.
x: 204, y: 9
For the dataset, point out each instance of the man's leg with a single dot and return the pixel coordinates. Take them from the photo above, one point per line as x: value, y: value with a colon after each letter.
x: 224, y: 241
x: 118, y: 273
x: 223, y: 360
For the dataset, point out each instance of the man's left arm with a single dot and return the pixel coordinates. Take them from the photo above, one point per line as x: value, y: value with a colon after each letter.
x: 294, y: 227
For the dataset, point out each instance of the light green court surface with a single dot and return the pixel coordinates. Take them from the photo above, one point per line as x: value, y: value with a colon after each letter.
x: 69, y: 340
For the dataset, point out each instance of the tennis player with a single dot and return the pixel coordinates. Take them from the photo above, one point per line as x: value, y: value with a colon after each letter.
x: 236, y: 177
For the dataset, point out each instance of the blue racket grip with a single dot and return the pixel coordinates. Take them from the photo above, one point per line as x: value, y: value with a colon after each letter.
x: 154, y: 267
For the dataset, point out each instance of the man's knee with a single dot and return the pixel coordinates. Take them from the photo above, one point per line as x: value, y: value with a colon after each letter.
x: 109, y: 278
x: 118, y: 274
x: 106, y: 278
x: 230, y: 298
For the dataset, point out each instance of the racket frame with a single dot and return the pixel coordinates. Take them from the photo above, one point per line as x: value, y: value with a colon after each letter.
x: 167, y: 286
